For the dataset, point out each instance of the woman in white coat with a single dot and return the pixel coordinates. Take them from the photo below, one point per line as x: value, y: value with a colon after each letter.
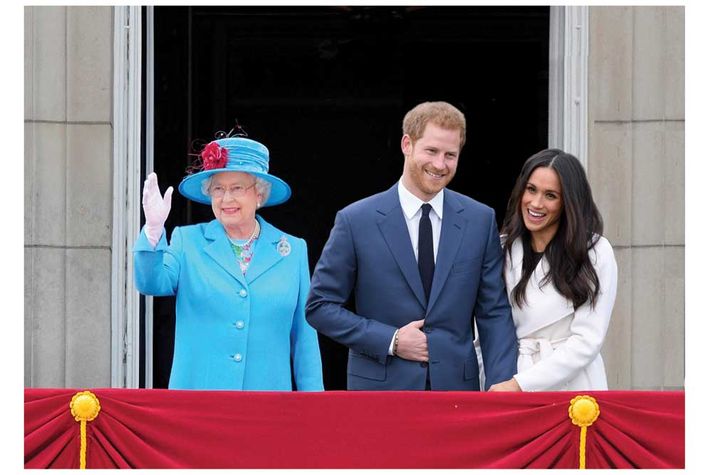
x: 561, y: 277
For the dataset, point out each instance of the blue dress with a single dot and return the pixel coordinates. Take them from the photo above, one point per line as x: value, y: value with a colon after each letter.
x: 233, y: 331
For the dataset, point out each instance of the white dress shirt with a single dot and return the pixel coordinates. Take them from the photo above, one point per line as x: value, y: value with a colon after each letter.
x: 411, y: 204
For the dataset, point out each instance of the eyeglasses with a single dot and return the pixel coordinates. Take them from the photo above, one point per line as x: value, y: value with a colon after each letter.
x: 219, y: 191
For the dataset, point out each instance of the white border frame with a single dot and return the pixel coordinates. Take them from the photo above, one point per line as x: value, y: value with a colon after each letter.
x: 568, y: 80
x: 125, y: 329
x: 150, y: 141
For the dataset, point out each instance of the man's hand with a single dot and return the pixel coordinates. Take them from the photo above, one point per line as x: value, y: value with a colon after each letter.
x: 412, y: 344
x: 511, y: 385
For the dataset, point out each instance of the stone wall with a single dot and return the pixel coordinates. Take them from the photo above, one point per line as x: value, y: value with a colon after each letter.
x: 637, y: 170
x: 68, y: 193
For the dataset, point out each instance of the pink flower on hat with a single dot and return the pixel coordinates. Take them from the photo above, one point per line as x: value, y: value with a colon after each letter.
x: 213, y: 156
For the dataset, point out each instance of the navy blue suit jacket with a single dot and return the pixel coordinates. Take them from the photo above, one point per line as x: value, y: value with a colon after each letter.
x: 369, y: 254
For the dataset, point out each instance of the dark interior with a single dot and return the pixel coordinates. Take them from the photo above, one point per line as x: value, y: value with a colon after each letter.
x: 325, y: 89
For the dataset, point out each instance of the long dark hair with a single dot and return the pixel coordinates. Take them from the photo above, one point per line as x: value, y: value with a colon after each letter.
x: 580, y: 226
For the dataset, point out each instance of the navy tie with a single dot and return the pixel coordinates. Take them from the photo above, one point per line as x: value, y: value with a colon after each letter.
x: 426, y: 260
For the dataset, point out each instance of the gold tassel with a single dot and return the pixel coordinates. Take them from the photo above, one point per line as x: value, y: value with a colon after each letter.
x: 84, y: 407
x: 583, y: 412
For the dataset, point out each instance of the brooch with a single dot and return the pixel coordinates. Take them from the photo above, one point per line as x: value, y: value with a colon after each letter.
x: 283, y: 247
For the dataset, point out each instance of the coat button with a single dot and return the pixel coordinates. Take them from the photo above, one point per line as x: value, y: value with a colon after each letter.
x: 237, y: 357
x: 423, y: 364
x: 240, y: 324
x: 427, y: 329
x: 243, y: 293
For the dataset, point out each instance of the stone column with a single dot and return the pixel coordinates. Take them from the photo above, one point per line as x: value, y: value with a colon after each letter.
x: 636, y: 167
x: 68, y: 195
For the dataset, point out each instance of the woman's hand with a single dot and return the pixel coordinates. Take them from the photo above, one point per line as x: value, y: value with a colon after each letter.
x: 155, y: 207
x: 511, y: 385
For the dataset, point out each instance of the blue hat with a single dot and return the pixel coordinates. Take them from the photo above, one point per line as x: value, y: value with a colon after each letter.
x: 234, y: 154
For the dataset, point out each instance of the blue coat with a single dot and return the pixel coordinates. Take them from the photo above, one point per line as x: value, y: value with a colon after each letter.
x: 370, y: 254
x: 234, y: 331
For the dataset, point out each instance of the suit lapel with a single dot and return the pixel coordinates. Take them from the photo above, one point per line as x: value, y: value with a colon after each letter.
x: 451, y: 234
x: 220, y: 251
x: 266, y: 254
x: 395, y: 232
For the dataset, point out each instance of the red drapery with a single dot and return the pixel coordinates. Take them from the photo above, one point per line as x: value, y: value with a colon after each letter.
x: 157, y: 428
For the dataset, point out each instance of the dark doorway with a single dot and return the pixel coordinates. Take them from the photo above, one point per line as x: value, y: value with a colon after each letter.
x: 326, y: 88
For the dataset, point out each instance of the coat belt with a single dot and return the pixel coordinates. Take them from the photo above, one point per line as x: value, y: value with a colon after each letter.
x: 530, y: 347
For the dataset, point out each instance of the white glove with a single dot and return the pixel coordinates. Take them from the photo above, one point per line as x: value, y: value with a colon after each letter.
x: 155, y: 207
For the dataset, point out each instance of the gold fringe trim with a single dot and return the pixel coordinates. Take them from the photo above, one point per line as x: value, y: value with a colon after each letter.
x: 84, y: 407
x: 583, y: 412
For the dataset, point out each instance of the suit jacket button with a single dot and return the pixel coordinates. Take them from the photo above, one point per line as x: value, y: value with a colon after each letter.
x: 423, y: 364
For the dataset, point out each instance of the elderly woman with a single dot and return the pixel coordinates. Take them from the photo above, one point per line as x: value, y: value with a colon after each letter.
x: 240, y: 283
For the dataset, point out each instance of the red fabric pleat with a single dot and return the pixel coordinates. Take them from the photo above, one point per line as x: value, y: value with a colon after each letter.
x: 338, y: 429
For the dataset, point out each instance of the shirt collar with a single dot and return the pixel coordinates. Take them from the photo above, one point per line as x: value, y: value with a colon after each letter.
x: 411, y: 203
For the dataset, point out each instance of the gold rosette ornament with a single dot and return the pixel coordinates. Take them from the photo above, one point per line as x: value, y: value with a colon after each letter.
x: 583, y: 412
x: 84, y: 407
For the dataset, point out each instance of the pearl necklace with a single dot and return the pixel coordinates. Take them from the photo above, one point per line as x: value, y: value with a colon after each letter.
x: 244, y: 252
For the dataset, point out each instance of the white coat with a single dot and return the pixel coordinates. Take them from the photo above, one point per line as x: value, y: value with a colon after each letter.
x: 559, y: 347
